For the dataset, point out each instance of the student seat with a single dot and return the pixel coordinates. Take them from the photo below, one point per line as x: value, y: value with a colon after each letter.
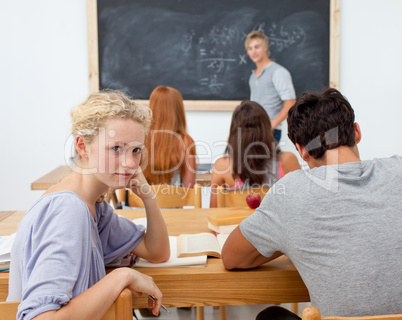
x: 121, y: 309
x: 236, y: 197
x: 168, y: 196
x: 312, y: 313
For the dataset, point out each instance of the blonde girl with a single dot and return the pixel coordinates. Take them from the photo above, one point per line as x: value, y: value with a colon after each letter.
x: 69, y: 234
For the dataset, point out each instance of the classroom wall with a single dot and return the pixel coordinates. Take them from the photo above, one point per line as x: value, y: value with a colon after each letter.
x: 43, y: 73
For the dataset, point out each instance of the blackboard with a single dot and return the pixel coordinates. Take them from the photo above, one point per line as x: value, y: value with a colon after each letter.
x: 197, y: 47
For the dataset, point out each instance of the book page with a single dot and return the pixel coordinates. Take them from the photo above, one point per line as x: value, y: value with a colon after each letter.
x: 222, y: 229
x: 6, y: 243
x: 197, y: 244
x: 174, y: 261
x: 222, y: 238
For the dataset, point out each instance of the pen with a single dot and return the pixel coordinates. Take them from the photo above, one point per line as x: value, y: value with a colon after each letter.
x: 153, y: 298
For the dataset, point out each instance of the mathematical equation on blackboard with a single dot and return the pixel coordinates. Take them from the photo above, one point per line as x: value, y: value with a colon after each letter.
x: 221, y: 50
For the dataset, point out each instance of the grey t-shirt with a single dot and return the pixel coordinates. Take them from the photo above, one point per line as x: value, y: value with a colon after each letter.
x: 341, y: 226
x: 271, y: 88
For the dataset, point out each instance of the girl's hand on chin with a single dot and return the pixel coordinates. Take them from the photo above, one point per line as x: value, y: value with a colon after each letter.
x: 139, y: 185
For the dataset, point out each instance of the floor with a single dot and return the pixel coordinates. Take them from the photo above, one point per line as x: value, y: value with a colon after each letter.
x: 248, y: 312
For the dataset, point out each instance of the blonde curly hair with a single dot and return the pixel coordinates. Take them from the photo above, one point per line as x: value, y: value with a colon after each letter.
x: 91, y: 115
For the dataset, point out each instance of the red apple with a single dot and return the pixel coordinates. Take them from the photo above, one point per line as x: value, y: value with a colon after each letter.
x: 253, y: 200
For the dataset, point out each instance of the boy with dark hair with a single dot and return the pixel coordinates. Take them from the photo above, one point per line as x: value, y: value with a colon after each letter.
x: 315, y: 118
x: 338, y: 222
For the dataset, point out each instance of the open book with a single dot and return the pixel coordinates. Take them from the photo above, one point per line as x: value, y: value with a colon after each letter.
x: 190, y: 245
x: 226, y: 222
x: 6, y: 243
x: 174, y: 260
x: 222, y: 229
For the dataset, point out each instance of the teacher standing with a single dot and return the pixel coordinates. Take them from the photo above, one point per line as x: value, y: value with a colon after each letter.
x: 270, y: 83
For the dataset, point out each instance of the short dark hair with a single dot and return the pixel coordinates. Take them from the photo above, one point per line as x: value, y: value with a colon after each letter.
x: 321, y: 121
x: 251, y: 133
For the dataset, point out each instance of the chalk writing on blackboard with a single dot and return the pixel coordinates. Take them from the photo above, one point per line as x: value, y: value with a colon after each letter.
x: 197, y: 47
x: 281, y: 38
x: 218, y: 49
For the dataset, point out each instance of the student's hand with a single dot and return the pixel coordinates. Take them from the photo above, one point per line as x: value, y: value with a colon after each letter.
x: 139, y: 185
x: 141, y: 283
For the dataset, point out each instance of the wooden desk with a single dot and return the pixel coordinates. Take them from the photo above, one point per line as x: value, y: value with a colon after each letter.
x: 9, y: 224
x: 213, y: 285
x: 56, y: 175
x: 5, y: 214
x: 53, y: 177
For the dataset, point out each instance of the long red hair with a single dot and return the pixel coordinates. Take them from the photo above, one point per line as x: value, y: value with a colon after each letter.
x: 168, y: 141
